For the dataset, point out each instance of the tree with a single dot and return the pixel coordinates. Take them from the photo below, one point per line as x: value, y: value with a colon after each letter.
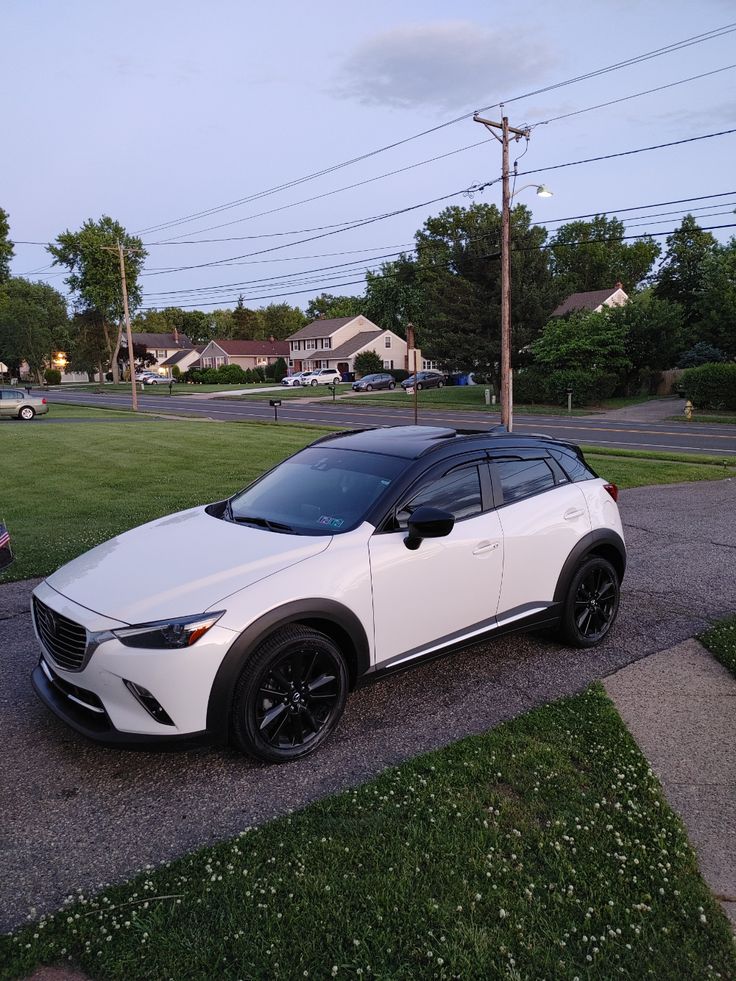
x: 654, y: 332
x: 584, y: 341
x: 460, y: 277
x: 715, y: 303
x: 394, y: 296
x: 195, y: 324
x: 701, y: 353
x: 6, y: 247
x: 221, y: 324
x: 679, y: 276
x: 246, y: 324
x: 367, y: 362
x: 91, y: 257
x: 592, y: 255
x: 33, y: 323
x: 329, y: 307
x: 280, y: 320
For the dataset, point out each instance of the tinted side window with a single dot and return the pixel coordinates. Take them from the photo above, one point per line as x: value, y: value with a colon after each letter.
x: 457, y: 492
x: 522, y: 478
x: 572, y: 464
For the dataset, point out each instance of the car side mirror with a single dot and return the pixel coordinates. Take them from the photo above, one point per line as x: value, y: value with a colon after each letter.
x: 428, y: 522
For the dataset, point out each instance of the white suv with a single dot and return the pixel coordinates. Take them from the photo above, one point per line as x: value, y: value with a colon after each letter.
x: 322, y: 376
x: 364, y: 553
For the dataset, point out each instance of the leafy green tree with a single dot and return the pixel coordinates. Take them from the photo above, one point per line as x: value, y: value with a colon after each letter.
x: 680, y: 276
x: 33, y: 323
x: 91, y: 257
x: 247, y: 324
x: 701, y: 353
x: 654, y: 331
x: 195, y: 324
x: 6, y: 247
x: 221, y: 322
x: 592, y: 255
x: 715, y: 301
x: 584, y: 340
x: 460, y: 277
x: 394, y: 295
x: 280, y: 320
x: 367, y: 362
x: 329, y: 307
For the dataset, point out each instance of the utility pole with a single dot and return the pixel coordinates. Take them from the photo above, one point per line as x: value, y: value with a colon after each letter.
x: 506, y: 378
x: 126, y: 313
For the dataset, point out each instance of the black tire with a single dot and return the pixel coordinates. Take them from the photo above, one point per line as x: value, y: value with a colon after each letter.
x: 392, y: 386
x: 299, y: 678
x: 369, y: 388
x: 313, y: 383
x: 419, y: 386
x: 440, y: 384
x: 591, y: 603
x: 27, y: 413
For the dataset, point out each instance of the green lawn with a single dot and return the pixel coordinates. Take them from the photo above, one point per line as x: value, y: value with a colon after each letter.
x: 721, y: 642
x: 701, y: 417
x: 473, y: 397
x: 178, y: 388
x: 59, y: 410
x: 303, y: 391
x: 542, y: 849
x: 71, y: 487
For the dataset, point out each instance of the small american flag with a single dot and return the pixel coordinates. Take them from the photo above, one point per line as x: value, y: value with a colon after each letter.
x: 4, y: 536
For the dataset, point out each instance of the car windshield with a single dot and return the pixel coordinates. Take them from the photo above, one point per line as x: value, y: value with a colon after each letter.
x: 320, y: 491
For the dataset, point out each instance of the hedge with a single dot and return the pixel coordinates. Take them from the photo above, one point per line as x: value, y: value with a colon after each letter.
x: 711, y: 386
x: 535, y: 385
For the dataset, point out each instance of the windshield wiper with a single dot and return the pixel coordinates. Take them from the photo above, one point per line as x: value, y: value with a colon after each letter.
x: 261, y: 523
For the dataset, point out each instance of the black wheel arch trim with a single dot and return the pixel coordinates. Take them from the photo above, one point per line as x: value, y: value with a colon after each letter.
x: 343, y: 626
x: 602, y: 541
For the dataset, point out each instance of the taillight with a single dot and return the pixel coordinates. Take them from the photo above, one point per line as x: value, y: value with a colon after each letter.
x: 612, y: 490
x: 43, y: 401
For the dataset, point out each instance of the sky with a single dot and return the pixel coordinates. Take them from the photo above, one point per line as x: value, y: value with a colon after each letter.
x: 155, y: 111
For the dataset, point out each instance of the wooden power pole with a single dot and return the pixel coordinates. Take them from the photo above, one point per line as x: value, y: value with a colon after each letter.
x: 126, y: 314
x: 506, y: 378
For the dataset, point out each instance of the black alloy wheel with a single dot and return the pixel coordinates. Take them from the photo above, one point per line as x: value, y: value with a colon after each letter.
x: 290, y: 696
x: 591, y: 604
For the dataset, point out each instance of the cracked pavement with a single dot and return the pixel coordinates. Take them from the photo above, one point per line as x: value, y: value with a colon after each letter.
x: 73, y: 814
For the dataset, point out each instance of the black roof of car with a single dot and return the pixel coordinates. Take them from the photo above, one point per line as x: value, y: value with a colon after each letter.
x: 412, y: 442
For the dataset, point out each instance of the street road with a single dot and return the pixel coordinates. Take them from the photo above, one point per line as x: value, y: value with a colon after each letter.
x: 73, y: 814
x: 602, y: 431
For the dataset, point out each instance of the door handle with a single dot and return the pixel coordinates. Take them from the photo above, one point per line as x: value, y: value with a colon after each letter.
x: 483, y: 547
x: 573, y: 513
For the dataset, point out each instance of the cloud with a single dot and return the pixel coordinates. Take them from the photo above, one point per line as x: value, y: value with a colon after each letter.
x: 443, y: 65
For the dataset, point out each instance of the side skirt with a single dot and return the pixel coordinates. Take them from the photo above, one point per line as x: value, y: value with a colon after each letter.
x: 533, y: 616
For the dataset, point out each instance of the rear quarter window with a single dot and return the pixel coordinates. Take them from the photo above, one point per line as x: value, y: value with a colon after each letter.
x: 573, y: 466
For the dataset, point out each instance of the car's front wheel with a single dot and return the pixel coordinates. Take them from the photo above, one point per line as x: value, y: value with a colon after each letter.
x: 314, y: 382
x: 440, y: 384
x: 369, y: 388
x: 26, y: 413
x: 591, y: 603
x: 392, y: 386
x: 290, y: 695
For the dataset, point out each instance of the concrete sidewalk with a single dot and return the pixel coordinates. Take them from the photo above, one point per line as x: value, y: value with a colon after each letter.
x: 680, y: 706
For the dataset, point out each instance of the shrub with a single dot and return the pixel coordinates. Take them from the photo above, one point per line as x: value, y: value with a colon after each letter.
x: 534, y: 385
x: 367, y: 362
x: 259, y: 375
x: 529, y: 386
x: 230, y: 374
x: 52, y: 376
x: 711, y: 386
x: 279, y: 369
x: 399, y: 374
x: 702, y: 353
x: 176, y: 372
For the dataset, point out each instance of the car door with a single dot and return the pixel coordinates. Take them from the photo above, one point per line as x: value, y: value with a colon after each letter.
x: 543, y: 516
x: 449, y: 587
x: 9, y: 403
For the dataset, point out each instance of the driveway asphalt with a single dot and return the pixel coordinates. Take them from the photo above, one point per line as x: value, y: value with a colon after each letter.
x: 73, y: 814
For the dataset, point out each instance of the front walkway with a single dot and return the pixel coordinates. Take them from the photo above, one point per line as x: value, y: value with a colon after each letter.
x: 680, y: 706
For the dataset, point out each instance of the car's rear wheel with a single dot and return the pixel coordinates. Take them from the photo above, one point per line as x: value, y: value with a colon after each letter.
x: 392, y: 386
x: 290, y: 695
x: 591, y: 603
x: 440, y: 384
x: 27, y: 413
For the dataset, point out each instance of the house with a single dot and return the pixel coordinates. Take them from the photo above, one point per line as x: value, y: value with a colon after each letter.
x: 160, y: 346
x: 335, y: 344
x: 593, y: 301
x: 246, y: 354
x: 184, y: 360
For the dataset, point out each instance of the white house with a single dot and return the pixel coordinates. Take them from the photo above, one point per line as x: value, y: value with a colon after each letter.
x: 335, y: 344
x: 161, y: 346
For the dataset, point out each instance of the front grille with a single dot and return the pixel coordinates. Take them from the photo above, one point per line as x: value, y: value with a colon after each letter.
x: 65, y: 640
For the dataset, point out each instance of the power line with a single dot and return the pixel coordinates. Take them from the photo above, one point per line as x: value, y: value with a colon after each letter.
x: 616, y: 66
x: 355, y: 282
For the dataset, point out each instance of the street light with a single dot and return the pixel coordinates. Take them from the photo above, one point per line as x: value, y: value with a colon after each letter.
x: 543, y: 192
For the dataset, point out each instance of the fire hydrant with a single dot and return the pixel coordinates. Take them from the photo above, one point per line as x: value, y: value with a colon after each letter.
x: 688, y: 409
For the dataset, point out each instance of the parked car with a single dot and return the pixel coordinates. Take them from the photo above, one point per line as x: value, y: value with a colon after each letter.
x: 155, y: 379
x: 424, y: 379
x: 369, y: 382
x: 297, y: 380
x: 21, y: 405
x: 362, y: 554
x: 323, y: 376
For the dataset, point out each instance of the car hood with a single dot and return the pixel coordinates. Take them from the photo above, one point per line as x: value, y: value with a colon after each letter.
x: 182, y: 564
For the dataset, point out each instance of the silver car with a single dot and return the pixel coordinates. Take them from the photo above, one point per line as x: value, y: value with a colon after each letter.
x: 21, y: 405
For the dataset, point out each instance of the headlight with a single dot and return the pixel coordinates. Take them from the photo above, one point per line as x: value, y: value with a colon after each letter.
x: 166, y: 634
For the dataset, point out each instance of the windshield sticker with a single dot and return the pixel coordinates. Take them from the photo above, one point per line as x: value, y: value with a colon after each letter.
x: 325, y: 519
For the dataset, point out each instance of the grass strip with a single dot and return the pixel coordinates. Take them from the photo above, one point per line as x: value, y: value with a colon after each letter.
x: 542, y: 849
x: 721, y: 642
x: 704, y: 418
